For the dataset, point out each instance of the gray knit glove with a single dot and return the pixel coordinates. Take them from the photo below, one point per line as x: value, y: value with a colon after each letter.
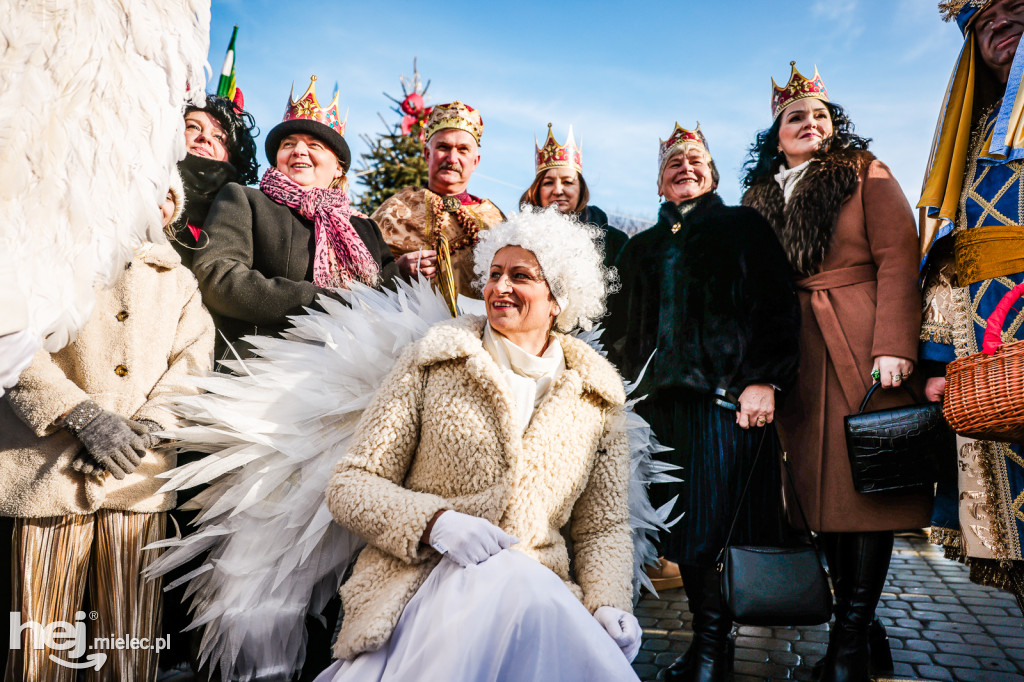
x: 144, y: 430
x: 110, y: 442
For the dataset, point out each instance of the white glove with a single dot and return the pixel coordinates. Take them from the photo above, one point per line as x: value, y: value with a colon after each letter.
x: 17, y: 350
x: 623, y: 627
x: 468, y: 540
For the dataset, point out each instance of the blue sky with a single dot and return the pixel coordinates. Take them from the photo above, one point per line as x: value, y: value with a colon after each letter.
x: 622, y: 73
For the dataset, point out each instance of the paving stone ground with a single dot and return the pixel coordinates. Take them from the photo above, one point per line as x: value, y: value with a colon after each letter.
x: 942, y: 628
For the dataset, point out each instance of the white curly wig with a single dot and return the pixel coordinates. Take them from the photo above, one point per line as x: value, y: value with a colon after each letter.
x: 570, y: 256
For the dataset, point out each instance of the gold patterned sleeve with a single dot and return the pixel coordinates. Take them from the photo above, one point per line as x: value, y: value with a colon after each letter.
x: 937, y: 314
x: 401, y: 219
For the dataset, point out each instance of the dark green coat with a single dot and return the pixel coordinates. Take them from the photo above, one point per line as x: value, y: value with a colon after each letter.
x: 258, y: 267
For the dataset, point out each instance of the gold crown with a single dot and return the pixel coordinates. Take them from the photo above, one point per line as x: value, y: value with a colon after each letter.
x: 552, y: 154
x: 307, y: 107
x: 797, y: 88
x: 681, y: 137
x: 458, y: 116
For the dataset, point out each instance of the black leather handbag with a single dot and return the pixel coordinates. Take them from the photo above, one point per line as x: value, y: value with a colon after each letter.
x: 765, y: 585
x: 897, y: 449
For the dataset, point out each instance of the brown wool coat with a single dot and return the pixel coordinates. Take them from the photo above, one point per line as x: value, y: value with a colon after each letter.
x: 440, y: 433
x: 859, y: 301
x: 145, y: 336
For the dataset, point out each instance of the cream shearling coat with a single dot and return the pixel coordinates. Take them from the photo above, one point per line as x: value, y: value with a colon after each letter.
x: 441, y: 433
x: 153, y: 325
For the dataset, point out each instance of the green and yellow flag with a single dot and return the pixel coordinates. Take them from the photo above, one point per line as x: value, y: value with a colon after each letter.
x: 226, y: 86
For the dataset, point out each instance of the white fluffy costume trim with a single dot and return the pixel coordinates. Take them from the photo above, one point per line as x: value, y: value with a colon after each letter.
x: 91, y: 95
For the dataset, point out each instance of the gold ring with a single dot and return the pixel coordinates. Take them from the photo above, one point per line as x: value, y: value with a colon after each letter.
x: 761, y: 420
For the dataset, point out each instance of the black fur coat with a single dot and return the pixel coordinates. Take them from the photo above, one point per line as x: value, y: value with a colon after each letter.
x: 805, y: 224
x: 714, y: 298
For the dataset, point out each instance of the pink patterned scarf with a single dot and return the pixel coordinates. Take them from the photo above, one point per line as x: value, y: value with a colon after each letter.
x: 340, y: 255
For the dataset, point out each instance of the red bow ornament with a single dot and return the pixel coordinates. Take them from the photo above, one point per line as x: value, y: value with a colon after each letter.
x: 415, y: 113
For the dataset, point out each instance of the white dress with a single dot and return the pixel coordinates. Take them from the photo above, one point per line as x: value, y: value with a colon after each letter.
x: 508, y: 619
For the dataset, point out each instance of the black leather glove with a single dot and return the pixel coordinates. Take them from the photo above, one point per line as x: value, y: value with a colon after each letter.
x: 110, y: 442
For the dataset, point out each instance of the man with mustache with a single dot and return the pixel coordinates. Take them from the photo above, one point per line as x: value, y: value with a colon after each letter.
x: 417, y: 222
x: 972, y: 253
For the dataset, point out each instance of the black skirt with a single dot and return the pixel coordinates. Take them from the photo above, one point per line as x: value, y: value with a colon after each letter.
x: 716, y: 457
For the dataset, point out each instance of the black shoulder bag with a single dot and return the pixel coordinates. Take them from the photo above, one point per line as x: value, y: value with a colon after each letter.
x: 774, y: 585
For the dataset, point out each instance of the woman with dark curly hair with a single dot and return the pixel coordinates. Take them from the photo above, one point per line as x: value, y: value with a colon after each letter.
x: 559, y: 181
x: 850, y: 238
x: 221, y: 149
x: 219, y: 141
x: 767, y: 157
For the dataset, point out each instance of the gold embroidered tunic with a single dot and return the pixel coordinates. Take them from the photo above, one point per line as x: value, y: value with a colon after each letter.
x: 979, y: 515
x: 408, y: 224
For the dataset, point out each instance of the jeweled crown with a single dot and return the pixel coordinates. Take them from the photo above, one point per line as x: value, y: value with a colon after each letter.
x: 680, y: 136
x: 554, y: 155
x: 458, y: 116
x: 307, y: 107
x: 796, y: 89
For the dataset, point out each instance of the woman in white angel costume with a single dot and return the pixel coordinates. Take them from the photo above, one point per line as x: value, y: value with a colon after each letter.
x: 496, y: 476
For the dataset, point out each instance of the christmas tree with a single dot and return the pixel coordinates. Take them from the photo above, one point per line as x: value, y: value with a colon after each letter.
x: 395, y: 158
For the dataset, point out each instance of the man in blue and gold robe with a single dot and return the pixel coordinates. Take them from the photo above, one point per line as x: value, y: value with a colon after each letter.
x: 972, y: 247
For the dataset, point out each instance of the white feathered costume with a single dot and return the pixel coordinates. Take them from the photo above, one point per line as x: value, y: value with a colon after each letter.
x: 275, y: 432
x: 91, y: 95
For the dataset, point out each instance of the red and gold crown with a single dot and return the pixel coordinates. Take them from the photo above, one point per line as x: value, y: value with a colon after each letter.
x: 680, y: 137
x: 797, y: 88
x: 308, y: 108
x: 554, y: 155
x: 458, y: 116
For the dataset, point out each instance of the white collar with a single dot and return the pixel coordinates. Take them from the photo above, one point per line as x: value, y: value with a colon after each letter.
x: 530, y: 377
x: 789, y: 177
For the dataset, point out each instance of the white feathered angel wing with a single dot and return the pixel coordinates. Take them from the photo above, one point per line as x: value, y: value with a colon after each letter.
x: 645, y: 469
x: 90, y: 127
x: 275, y: 432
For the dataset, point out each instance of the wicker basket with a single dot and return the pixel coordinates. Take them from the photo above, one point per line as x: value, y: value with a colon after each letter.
x: 985, y: 391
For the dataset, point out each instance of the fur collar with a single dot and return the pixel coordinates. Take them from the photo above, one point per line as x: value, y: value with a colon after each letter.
x: 696, y: 210
x: 161, y: 256
x: 461, y: 338
x: 805, y: 224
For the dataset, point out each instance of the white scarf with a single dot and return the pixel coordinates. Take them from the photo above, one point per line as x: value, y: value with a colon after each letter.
x: 529, y: 377
x: 789, y: 177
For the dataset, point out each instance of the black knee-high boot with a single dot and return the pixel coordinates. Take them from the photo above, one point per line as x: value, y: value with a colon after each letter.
x: 862, y: 563
x: 878, y: 640
x: 709, y: 658
x: 829, y: 543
